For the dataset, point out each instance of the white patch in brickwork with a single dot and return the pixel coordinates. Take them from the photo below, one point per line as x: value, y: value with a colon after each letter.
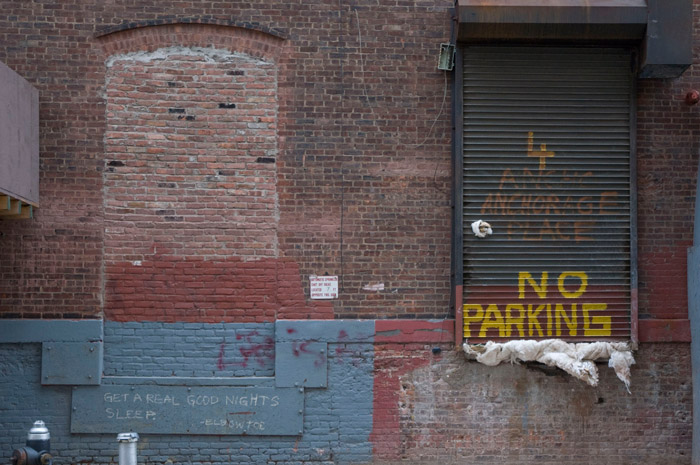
x: 575, y: 359
x: 210, y: 55
x: 373, y: 287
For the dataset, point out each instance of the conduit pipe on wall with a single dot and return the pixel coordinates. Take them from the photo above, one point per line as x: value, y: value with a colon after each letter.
x: 694, y: 316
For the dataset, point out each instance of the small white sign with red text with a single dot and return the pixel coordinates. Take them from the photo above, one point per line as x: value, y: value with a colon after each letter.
x: 324, y: 287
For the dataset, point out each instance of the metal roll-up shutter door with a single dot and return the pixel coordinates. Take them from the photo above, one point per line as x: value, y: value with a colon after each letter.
x: 547, y: 142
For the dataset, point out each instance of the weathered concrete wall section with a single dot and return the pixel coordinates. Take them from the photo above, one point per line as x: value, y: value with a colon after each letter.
x: 451, y: 411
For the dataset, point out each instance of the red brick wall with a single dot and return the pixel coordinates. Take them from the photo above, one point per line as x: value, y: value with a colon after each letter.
x: 362, y: 167
x: 362, y: 186
x: 362, y: 161
x: 668, y: 141
x: 50, y: 266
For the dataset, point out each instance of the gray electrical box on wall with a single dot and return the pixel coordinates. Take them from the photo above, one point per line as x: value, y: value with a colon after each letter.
x: 667, y: 49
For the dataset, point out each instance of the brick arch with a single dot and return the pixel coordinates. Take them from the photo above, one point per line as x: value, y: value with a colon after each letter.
x: 148, y: 38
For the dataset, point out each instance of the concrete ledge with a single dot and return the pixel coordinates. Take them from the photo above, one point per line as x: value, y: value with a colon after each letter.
x: 335, y: 331
x: 23, y: 331
x: 187, y: 381
x: 601, y: 20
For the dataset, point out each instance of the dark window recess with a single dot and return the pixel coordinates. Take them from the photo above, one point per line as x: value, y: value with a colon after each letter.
x: 227, y: 105
x: 265, y: 160
x: 546, y: 145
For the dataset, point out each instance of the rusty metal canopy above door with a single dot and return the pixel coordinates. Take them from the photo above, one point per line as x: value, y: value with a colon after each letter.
x: 552, y: 19
x: 663, y: 29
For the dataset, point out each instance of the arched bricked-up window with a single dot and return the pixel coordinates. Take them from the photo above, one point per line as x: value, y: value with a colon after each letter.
x: 547, y: 161
x: 190, y: 181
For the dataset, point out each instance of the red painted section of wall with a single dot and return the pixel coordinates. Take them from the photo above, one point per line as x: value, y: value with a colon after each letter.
x: 667, y: 330
x: 663, y: 274
x: 293, y: 303
x: 391, y: 361
x: 173, y: 289
x: 400, y: 348
x: 415, y: 331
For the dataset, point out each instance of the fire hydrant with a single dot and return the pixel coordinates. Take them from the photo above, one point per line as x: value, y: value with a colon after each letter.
x: 38, y: 448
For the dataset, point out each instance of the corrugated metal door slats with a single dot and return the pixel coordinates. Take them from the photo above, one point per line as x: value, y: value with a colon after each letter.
x: 546, y: 142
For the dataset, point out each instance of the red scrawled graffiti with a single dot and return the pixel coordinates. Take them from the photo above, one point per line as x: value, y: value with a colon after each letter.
x: 299, y: 348
x: 251, y: 351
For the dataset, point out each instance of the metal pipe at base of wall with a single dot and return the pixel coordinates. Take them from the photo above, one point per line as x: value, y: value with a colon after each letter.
x: 694, y: 317
x: 127, y: 448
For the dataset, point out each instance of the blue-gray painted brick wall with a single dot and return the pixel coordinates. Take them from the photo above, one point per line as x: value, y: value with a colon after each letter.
x: 325, y: 330
x: 189, y: 349
x: 337, y: 420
